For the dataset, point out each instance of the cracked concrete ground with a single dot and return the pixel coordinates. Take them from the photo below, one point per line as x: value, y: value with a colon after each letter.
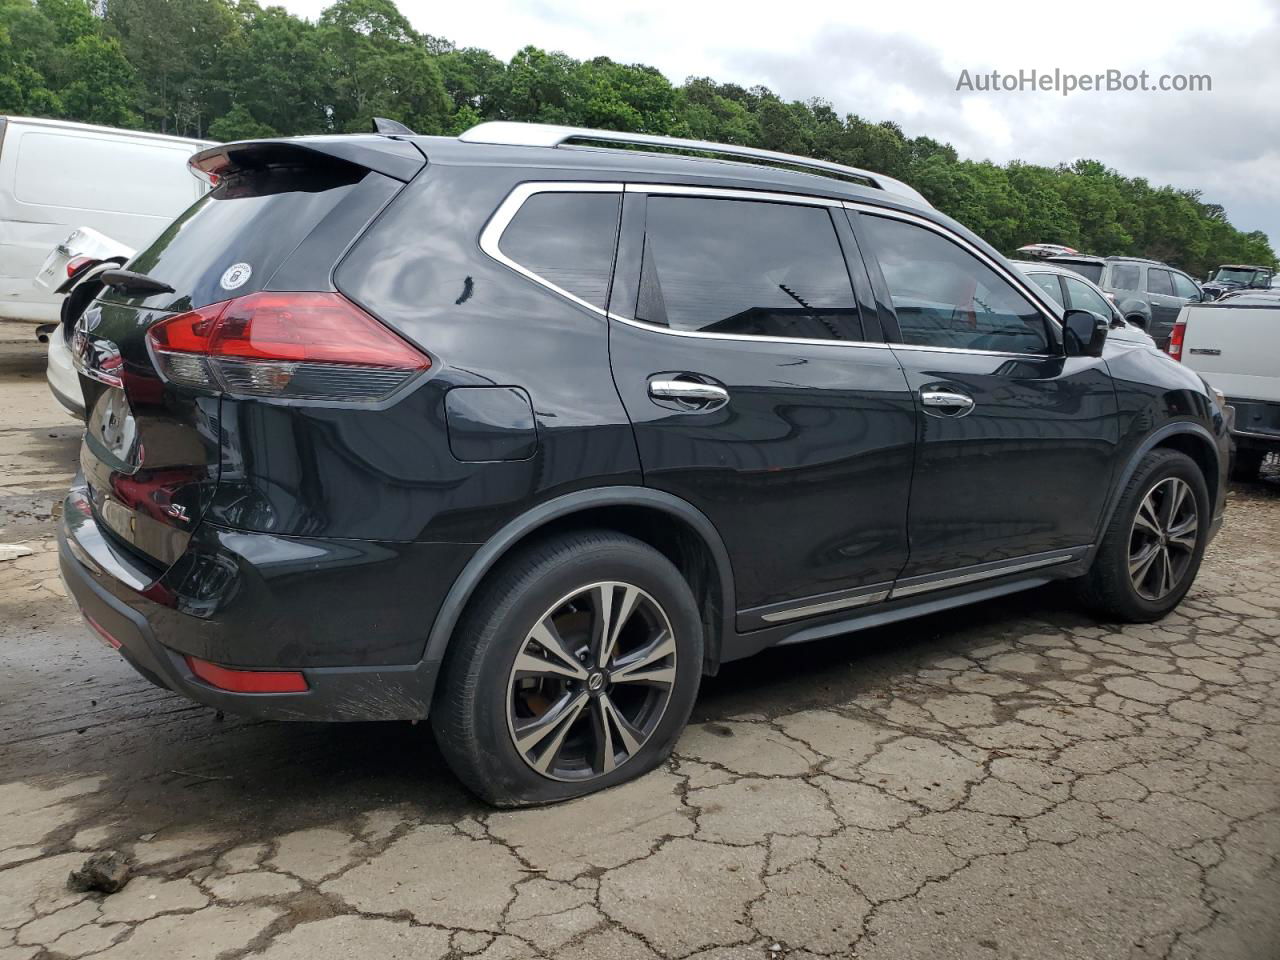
x: 1008, y: 781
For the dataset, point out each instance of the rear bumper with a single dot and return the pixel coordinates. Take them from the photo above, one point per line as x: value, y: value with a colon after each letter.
x: 1257, y: 424
x: 238, y: 620
x: 64, y: 381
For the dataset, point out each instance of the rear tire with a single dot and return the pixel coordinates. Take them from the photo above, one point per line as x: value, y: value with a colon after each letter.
x: 1152, y: 548
x: 1247, y: 465
x: 574, y: 669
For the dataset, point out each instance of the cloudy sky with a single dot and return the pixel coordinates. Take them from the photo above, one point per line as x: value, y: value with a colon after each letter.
x: 901, y: 61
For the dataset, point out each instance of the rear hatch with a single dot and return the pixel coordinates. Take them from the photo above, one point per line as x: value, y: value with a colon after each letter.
x: 224, y: 291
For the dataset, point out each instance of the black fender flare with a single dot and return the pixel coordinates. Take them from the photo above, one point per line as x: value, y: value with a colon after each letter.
x: 1153, y: 440
x: 496, y: 547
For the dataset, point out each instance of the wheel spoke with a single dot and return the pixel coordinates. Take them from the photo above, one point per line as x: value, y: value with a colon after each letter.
x: 643, y: 667
x: 553, y: 726
x: 1140, y: 565
x: 630, y: 737
x: 609, y: 622
x: 602, y: 727
x: 1146, y: 518
x: 1166, y: 572
x: 1183, y: 535
x: 549, y: 639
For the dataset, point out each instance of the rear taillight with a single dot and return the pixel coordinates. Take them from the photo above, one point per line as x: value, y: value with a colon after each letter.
x: 1175, y: 341
x: 76, y: 264
x: 306, y: 346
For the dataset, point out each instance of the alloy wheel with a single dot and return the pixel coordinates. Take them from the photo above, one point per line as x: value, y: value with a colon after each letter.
x: 591, y: 681
x: 1163, y: 538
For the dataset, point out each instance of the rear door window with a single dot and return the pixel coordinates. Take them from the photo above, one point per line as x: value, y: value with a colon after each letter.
x: 745, y: 267
x: 1124, y: 276
x: 1184, y: 287
x: 1091, y: 271
x: 1081, y: 296
x: 944, y: 296
x: 1048, y: 282
x: 566, y: 240
x: 1159, y: 282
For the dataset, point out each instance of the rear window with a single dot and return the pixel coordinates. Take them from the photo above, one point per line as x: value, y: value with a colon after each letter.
x: 1090, y: 271
x: 230, y: 242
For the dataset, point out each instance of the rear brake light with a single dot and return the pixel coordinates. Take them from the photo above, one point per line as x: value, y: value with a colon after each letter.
x: 312, y: 346
x: 248, y: 681
x: 1175, y: 341
x: 76, y: 264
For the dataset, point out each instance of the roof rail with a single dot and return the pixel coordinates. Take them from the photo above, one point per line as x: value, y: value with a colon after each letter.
x: 550, y: 135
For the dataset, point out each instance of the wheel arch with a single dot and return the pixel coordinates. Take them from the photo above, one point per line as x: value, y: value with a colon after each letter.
x: 672, y: 526
x: 1189, y: 438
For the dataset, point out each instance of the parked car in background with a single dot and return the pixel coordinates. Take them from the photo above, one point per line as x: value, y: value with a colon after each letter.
x: 1234, y: 342
x: 1237, y: 276
x: 526, y: 438
x: 1071, y: 291
x: 1087, y: 265
x: 73, y: 270
x: 1148, y: 293
x: 56, y: 176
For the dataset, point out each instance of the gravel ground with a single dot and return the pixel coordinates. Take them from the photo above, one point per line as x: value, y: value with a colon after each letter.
x: 1011, y: 780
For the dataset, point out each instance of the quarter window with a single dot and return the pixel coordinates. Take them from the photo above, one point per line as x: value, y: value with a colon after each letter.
x: 745, y: 267
x: 1160, y: 282
x: 1124, y: 276
x: 945, y: 297
x: 567, y: 239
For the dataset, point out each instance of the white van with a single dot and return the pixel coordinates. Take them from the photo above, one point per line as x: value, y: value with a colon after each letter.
x: 56, y: 176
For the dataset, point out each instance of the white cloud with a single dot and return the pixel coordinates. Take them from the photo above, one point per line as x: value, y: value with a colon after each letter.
x: 900, y: 62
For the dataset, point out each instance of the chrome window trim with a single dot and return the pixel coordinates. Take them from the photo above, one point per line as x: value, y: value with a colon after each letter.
x: 1019, y: 283
x: 491, y: 235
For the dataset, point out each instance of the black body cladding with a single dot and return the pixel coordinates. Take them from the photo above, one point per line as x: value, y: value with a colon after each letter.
x: 344, y: 539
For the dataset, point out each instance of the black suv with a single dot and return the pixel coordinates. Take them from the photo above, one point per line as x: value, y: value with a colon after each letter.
x: 1237, y: 276
x: 526, y: 434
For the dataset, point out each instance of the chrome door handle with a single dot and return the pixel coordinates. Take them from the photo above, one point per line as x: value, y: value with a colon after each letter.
x: 943, y: 400
x: 689, y: 391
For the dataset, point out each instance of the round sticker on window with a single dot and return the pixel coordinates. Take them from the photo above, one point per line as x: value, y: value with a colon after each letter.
x: 236, y: 276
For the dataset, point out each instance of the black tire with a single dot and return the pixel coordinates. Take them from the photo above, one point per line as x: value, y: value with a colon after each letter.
x: 473, y: 716
x: 1247, y: 464
x: 1108, y: 588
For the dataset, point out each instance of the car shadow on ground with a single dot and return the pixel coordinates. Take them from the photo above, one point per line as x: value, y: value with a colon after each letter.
x: 172, y: 765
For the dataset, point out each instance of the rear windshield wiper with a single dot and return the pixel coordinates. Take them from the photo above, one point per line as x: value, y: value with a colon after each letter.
x: 131, y: 282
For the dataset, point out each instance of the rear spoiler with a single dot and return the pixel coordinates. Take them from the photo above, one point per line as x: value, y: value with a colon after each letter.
x: 397, y: 159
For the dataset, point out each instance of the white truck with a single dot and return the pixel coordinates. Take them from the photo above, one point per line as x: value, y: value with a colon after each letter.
x: 1234, y: 343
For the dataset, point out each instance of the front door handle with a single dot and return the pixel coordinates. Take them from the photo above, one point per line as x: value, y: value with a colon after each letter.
x: 688, y: 391
x: 945, y: 403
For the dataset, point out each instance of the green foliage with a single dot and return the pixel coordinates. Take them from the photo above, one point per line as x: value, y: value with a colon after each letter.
x: 232, y: 69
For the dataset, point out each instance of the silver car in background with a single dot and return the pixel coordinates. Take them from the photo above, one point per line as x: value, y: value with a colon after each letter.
x: 1070, y: 291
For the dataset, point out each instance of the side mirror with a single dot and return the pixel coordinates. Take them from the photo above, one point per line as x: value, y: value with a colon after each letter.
x: 1084, y: 333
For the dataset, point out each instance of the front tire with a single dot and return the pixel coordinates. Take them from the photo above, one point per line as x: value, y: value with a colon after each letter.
x: 1151, y: 551
x: 574, y: 669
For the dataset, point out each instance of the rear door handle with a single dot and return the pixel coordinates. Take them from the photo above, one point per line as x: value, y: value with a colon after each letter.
x: 946, y: 403
x: 689, y: 391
